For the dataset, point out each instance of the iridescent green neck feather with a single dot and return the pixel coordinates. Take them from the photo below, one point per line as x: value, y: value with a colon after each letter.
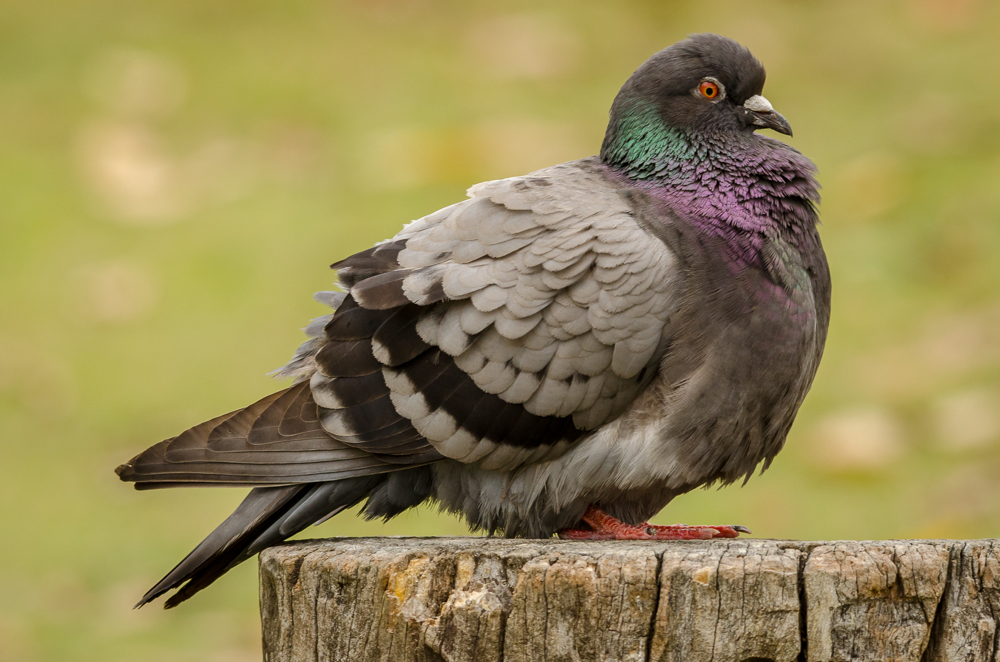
x: 639, y: 143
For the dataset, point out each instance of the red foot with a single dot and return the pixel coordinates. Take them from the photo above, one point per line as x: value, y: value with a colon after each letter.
x: 606, y: 527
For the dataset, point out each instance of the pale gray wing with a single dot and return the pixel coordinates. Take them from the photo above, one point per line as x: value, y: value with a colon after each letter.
x: 546, y: 295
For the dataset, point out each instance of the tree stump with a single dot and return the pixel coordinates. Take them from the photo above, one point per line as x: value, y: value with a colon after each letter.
x: 489, y: 599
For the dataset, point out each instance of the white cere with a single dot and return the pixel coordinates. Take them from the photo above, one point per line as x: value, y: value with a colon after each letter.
x: 758, y: 104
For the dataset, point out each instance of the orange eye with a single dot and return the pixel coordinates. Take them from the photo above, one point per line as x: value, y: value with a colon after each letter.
x: 708, y: 89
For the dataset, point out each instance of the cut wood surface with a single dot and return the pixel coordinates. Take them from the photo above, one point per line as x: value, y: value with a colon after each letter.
x: 489, y: 599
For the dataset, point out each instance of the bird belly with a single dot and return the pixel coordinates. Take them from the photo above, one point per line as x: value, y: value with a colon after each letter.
x: 538, y: 500
x: 610, y: 467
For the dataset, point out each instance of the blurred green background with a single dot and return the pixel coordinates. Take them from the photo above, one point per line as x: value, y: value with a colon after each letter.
x: 175, y: 178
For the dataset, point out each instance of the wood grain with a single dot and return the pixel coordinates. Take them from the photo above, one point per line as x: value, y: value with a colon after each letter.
x: 482, y: 599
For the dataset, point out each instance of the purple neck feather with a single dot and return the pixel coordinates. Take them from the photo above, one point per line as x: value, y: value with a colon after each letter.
x: 742, y: 190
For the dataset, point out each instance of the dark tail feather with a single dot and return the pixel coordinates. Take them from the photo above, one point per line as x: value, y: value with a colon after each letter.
x: 224, y: 546
x: 269, y: 515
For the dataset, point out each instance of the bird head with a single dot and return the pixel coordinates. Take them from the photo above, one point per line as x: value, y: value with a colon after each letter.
x: 706, y: 84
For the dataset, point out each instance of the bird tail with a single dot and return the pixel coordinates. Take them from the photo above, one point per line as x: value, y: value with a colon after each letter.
x: 267, y: 516
x: 226, y: 546
x: 300, y: 475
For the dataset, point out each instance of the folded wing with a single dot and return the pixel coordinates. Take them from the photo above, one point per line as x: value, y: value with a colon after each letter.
x: 497, y: 331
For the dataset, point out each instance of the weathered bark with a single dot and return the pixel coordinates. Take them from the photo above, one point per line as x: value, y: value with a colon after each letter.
x: 432, y: 599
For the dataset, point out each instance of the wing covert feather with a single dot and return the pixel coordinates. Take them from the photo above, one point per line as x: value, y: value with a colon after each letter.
x: 497, y: 330
x: 544, y: 291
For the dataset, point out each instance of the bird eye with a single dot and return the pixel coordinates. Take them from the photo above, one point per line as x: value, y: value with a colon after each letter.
x: 709, y: 89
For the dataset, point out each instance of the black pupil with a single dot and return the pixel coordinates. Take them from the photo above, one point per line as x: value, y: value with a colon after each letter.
x: 709, y: 90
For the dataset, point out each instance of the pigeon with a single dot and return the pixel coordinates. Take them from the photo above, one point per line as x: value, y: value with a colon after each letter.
x: 561, y: 353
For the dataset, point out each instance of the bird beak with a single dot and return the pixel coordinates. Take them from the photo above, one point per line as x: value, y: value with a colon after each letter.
x: 759, y: 112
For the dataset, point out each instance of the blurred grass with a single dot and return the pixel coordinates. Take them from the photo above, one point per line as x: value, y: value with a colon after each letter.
x: 175, y: 177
